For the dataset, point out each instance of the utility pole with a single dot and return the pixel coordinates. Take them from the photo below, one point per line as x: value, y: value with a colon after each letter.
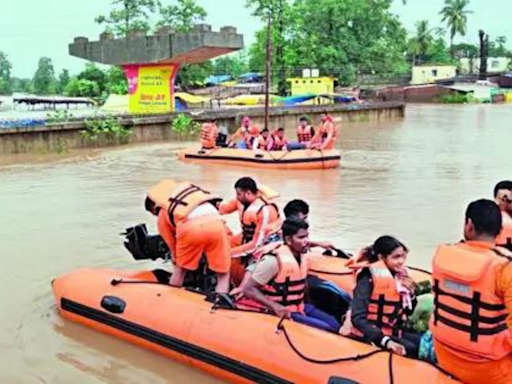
x: 268, y: 62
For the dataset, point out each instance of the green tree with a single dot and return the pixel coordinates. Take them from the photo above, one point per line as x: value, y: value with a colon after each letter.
x: 116, y: 81
x: 341, y: 38
x: 194, y: 75
x: 82, y: 88
x: 44, y: 82
x: 93, y: 73
x: 63, y: 80
x: 420, y: 43
x: 5, y: 75
x: 233, y: 65
x: 455, y: 15
x: 497, y: 48
x: 182, y: 16
x: 129, y: 15
x: 279, y: 11
x: 21, y: 85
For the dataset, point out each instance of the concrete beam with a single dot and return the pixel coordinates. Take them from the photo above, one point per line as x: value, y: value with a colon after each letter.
x: 198, y: 45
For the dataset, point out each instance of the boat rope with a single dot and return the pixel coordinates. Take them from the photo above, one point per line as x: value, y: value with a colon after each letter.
x: 322, y: 156
x: 280, y: 158
x: 390, y: 369
x: 281, y: 327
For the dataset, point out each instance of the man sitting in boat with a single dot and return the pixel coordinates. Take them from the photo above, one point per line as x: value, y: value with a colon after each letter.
x: 383, y: 298
x: 262, y: 141
x: 239, y: 138
x: 305, y: 132
x: 503, y: 197
x: 272, y: 233
x: 278, y: 140
x: 279, y: 279
x: 256, y: 212
x: 326, y: 135
x: 209, y: 134
x: 472, y: 320
x: 252, y: 135
x: 191, y: 226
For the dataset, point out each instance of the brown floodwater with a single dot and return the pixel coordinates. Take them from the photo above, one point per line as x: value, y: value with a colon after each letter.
x: 411, y: 178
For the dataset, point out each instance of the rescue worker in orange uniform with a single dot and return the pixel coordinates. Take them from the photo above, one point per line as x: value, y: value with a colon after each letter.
x: 278, y: 140
x: 256, y: 212
x: 327, y: 134
x: 240, y: 136
x: 383, y: 297
x: 503, y: 197
x: 191, y: 225
x: 472, y: 285
x: 305, y: 131
x: 209, y: 133
x: 279, y: 279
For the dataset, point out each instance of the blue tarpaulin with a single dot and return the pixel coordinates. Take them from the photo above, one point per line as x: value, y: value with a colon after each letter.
x: 215, y: 80
x: 251, y: 76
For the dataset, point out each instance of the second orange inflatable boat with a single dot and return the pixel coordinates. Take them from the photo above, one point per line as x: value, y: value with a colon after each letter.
x: 235, y: 345
x: 297, y: 159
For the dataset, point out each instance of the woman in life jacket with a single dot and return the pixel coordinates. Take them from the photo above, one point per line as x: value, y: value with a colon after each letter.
x: 252, y: 135
x: 383, y: 297
x: 503, y: 197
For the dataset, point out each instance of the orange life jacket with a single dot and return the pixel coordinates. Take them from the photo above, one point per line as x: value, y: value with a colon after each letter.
x: 179, y: 199
x: 304, y: 134
x: 277, y: 143
x: 324, y: 129
x: 289, y: 285
x: 262, y: 143
x: 468, y: 316
x: 505, y: 236
x: 208, y: 135
x: 249, y: 216
x: 385, y: 310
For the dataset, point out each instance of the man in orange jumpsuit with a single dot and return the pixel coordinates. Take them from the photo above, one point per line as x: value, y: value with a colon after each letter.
x: 472, y: 286
x: 256, y: 212
x: 326, y: 135
x: 191, y: 225
x: 503, y: 197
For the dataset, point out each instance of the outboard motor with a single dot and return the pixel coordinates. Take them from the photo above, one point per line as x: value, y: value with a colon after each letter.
x: 144, y: 246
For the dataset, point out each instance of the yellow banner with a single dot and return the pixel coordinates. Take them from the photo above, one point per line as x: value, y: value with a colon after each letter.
x: 151, y: 87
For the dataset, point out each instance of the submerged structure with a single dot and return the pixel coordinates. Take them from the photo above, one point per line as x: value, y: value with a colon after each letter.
x: 151, y: 63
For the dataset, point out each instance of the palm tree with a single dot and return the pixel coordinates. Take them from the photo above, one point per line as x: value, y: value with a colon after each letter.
x: 455, y: 14
x: 420, y: 43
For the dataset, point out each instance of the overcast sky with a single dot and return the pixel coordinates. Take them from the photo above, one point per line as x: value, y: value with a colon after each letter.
x: 30, y: 29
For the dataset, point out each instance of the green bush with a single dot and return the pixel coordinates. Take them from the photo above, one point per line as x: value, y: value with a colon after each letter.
x: 455, y: 98
x: 185, y: 126
x: 59, y: 117
x: 107, y: 127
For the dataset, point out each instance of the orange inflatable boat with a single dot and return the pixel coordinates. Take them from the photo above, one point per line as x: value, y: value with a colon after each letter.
x: 236, y: 345
x: 297, y: 159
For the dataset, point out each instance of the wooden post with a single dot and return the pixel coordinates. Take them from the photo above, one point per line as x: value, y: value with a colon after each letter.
x: 268, y: 64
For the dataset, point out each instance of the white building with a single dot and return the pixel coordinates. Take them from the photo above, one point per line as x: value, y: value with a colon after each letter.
x: 494, y: 65
x: 429, y: 74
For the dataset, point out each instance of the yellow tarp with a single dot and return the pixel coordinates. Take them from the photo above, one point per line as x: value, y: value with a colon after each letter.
x: 116, y: 104
x: 191, y: 99
x: 248, y: 100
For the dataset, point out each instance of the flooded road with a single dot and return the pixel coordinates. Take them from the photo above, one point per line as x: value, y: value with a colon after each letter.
x: 410, y: 178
